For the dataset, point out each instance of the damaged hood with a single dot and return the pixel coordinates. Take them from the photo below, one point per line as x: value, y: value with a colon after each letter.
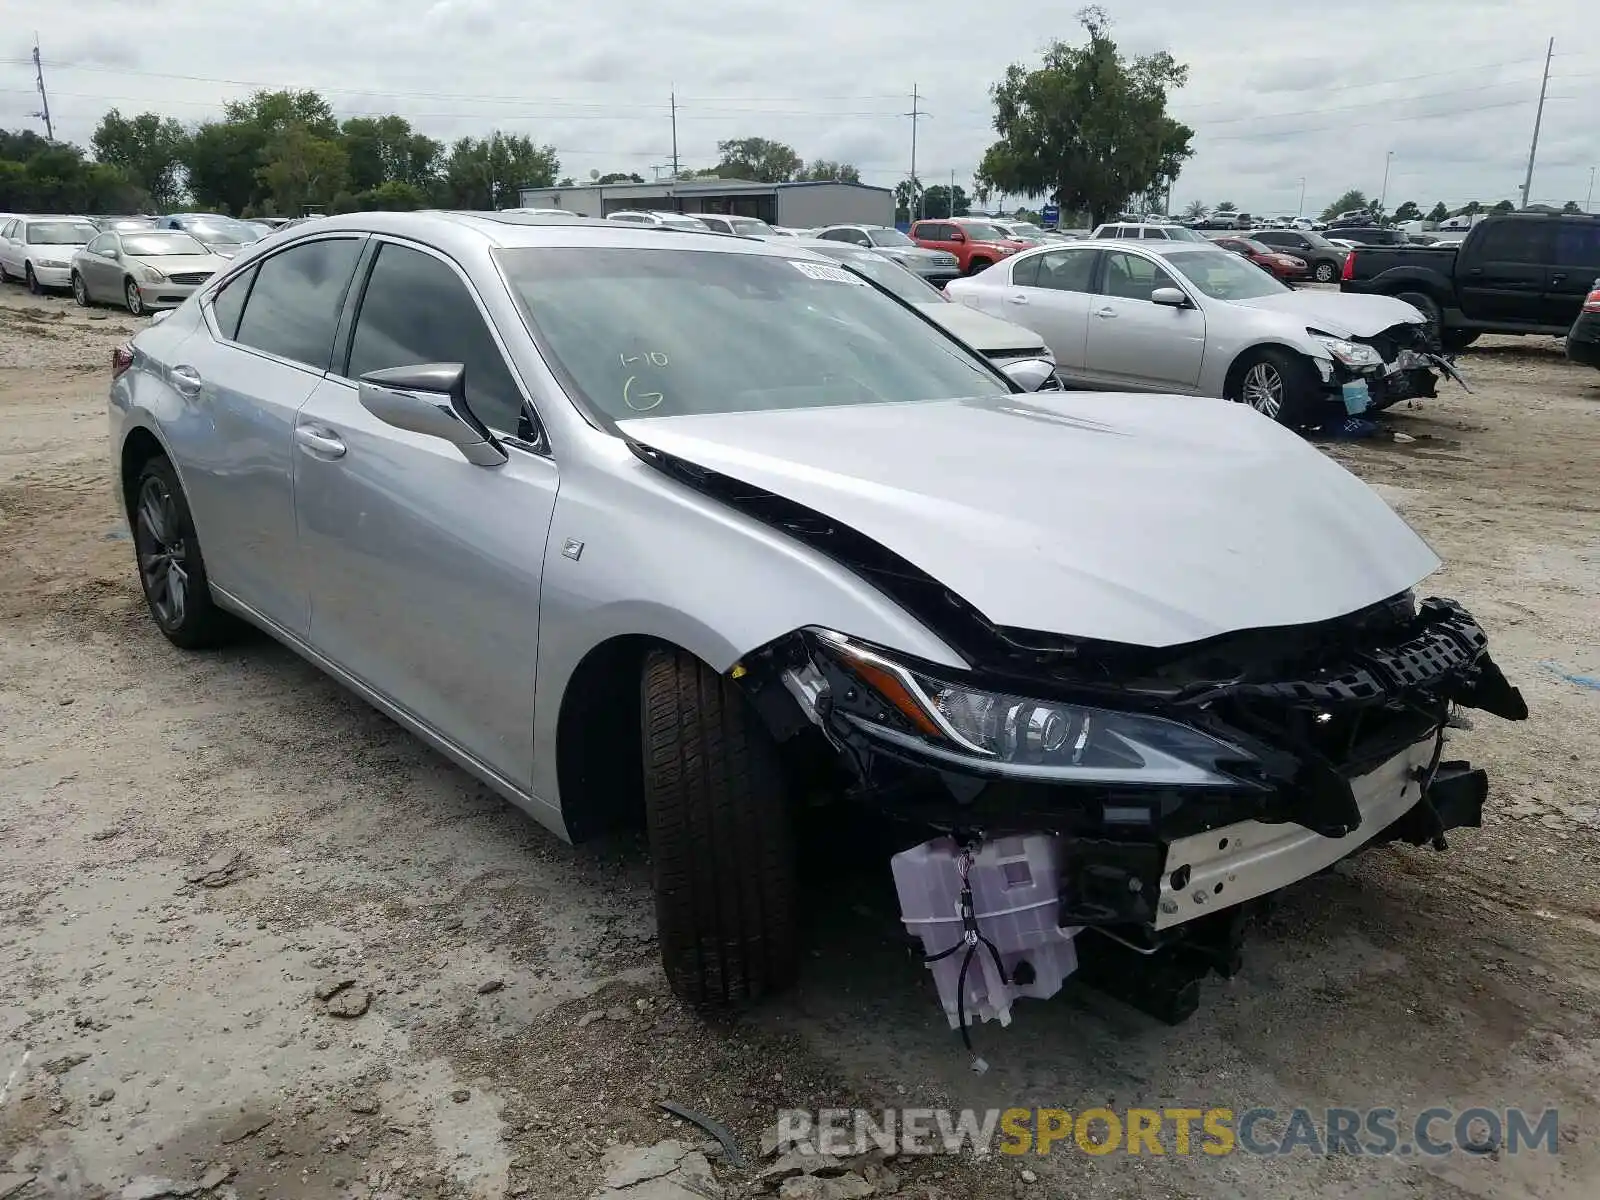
x: 1342, y: 314
x: 1146, y: 520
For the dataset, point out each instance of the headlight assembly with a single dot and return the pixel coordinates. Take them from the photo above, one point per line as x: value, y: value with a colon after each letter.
x: 1351, y: 354
x: 997, y: 733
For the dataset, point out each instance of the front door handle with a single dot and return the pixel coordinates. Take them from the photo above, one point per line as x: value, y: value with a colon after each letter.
x: 186, y: 380
x: 1558, y: 277
x: 320, y: 443
x: 1018, y: 299
x: 1105, y: 314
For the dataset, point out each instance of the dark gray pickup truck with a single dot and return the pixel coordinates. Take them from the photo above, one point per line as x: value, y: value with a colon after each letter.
x: 1518, y: 273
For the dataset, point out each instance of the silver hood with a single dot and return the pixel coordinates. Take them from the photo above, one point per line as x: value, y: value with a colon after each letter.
x: 1339, y: 313
x: 921, y: 255
x: 986, y: 334
x: 1146, y: 520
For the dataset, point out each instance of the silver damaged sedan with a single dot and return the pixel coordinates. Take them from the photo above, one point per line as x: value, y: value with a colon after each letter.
x: 649, y: 526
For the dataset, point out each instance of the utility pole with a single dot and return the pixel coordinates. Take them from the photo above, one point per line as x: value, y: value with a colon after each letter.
x: 1300, y: 209
x: 1383, y: 196
x: 674, y: 135
x: 44, y: 96
x: 1538, y: 119
x: 1588, y: 204
x: 914, y: 208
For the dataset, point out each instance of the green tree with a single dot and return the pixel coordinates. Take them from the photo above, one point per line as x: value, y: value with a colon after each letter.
x: 302, y: 168
x: 1353, y: 199
x: 1227, y: 206
x: 757, y: 158
x: 1409, y: 211
x: 489, y: 173
x: 1438, y: 213
x: 20, y: 146
x: 394, y: 195
x: 823, y: 170
x: 1503, y: 207
x: 621, y: 177
x: 148, y: 148
x: 56, y: 177
x: 906, y: 195
x: 1571, y: 206
x: 937, y: 202
x: 273, y: 112
x: 1089, y: 128
x: 387, y: 150
x: 1195, y: 210
x: 222, y: 160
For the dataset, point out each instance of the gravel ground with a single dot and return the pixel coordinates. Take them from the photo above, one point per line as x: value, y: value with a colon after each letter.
x: 249, y: 926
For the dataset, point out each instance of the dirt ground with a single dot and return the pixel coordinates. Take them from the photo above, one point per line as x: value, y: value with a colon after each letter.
x: 195, y: 847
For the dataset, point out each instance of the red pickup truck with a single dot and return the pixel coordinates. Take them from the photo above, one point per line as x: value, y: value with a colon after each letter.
x: 976, y: 244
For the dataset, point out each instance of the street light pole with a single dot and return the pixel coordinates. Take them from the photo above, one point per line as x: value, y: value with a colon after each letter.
x: 1300, y: 209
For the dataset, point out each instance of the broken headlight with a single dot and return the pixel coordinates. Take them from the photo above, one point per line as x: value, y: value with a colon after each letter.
x: 1351, y: 354
x: 1049, y: 740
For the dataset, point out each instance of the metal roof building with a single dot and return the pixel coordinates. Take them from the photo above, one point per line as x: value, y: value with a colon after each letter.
x: 801, y: 205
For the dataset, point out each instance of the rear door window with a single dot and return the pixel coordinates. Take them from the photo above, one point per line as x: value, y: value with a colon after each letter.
x: 1067, y: 270
x: 1578, y: 245
x: 227, y: 305
x: 293, y: 310
x: 1516, y: 241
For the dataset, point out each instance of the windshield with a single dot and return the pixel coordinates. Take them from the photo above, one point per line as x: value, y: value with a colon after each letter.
x: 981, y: 232
x: 60, y: 233
x: 888, y: 275
x: 161, y: 243
x: 219, y: 231
x: 751, y: 227
x: 663, y: 333
x: 1224, y: 276
x: 888, y: 237
x: 1179, y: 233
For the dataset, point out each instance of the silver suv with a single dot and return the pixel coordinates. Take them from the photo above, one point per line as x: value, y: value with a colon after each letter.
x: 682, y: 531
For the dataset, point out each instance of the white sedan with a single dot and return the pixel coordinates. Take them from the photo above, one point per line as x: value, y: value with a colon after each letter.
x: 1164, y: 316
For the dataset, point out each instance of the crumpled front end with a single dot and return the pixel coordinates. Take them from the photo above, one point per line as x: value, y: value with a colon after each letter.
x: 1370, y: 374
x: 1166, y: 792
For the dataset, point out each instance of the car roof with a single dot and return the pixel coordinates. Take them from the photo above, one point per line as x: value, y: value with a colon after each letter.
x: 447, y: 229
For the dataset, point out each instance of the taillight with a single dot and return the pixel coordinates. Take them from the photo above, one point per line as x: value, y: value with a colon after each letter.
x: 1592, y: 303
x: 1349, y: 271
x: 121, y: 359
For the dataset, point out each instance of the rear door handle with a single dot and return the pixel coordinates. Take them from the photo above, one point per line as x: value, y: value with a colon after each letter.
x: 320, y: 443
x: 1558, y: 277
x: 1106, y: 314
x: 1016, y: 299
x: 186, y: 380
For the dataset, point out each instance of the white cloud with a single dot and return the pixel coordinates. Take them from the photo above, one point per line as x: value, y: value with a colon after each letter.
x: 1300, y: 89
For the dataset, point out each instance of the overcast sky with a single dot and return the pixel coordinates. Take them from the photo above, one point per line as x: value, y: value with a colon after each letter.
x: 1323, y: 91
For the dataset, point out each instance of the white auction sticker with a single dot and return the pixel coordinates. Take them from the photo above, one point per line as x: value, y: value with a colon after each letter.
x: 826, y: 273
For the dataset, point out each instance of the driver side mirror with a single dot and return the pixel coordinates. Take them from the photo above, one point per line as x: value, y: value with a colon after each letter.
x: 1170, y: 296
x: 431, y: 399
x: 1030, y: 374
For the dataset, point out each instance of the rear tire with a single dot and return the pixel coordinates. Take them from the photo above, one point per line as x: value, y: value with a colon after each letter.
x: 1456, y: 340
x: 1431, y: 313
x: 1278, y: 384
x: 172, y: 572
x: 1324, y: 272
x: 721, y: 838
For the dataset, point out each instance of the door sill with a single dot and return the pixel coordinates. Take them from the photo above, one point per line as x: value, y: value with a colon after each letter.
x: 541, y: 811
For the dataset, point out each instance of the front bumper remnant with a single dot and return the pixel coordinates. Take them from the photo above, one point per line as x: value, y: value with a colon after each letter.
x: 1143, y: 890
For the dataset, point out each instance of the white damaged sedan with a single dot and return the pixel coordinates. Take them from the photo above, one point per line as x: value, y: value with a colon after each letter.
x: 1191, y: 319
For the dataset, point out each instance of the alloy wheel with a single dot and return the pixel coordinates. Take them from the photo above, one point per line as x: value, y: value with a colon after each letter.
x: 1324, y: 272
x: 163, y: 556
x: 1263, y: 389
x: 80, y: 290
x: 135, y: 300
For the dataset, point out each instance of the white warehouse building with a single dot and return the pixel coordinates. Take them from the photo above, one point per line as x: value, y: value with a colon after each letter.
x: 798, y: 205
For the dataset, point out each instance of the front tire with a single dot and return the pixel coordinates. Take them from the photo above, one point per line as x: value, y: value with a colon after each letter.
x: 32, y: 280
x: 1278, y: 384
x: 721, y: 837
x: 172, y: 572
x: 80, y: 290
x: 131, y: 297
x: 1324, y: 272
